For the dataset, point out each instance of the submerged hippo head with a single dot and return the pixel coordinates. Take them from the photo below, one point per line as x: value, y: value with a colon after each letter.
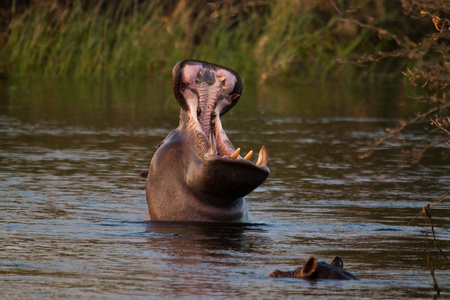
x: 313, y: 269
x: 196, y: 174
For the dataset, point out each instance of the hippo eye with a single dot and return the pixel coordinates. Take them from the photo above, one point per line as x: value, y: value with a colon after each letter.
x: 182, y: 86
x: 199, y: 111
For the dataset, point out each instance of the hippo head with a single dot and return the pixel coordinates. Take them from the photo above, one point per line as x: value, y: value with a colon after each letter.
x: 197, y: 174
x: 313, y: 269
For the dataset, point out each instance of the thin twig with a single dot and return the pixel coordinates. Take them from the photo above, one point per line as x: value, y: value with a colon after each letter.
x: 426, y: 213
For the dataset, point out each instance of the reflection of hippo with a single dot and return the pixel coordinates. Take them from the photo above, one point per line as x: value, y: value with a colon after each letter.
x: 196, y: 174
x: 317, y: 270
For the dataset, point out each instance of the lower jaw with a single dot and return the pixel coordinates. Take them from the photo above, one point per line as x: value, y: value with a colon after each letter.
x: 234, y: 154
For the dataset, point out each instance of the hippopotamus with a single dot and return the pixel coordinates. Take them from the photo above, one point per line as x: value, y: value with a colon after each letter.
x: 196, y: 174
x: 317, y: 270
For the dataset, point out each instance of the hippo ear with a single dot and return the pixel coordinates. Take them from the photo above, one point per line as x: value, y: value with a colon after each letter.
x: 337, y: 262
x: 309, y: 267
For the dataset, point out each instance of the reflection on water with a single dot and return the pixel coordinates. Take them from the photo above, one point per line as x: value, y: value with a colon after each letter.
x: 72, y: 202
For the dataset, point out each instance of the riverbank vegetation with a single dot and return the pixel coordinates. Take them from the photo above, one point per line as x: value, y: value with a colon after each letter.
x: 261, y: 39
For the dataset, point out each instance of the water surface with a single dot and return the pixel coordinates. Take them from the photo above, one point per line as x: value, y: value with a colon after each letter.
x: 72, y: 202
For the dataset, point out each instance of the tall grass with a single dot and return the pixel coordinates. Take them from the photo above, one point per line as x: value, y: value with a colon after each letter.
x: 55, y: 41
x: 264, y: 39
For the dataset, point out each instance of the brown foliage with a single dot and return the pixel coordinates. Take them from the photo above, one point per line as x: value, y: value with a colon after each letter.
x: 431, y: 71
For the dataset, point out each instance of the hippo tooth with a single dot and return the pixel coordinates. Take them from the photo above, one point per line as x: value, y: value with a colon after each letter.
x: 212, y: 144
x: 221, y: 78
x: 249, y: 155
x: 224, y: 88
x: 236, y: 153
x: 262, y: 157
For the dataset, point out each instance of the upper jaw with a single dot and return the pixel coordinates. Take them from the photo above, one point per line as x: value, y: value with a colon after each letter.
x: 206, y: 91
x: 189, y: 73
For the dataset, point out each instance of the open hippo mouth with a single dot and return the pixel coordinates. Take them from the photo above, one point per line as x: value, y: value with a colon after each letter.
x: 207, y: 91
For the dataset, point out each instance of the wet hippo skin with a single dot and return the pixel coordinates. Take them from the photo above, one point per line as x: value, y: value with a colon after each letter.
x: 197, y: 174
x: 313, y: 269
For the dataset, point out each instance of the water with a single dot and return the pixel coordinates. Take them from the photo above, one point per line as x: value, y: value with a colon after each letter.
x: 72, y: 202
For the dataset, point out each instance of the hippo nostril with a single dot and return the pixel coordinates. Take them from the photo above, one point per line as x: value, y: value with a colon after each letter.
x: 234, y: 96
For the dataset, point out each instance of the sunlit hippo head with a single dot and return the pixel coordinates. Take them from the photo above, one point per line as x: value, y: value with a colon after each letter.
x: 197, y: 174
x: 313, y: 270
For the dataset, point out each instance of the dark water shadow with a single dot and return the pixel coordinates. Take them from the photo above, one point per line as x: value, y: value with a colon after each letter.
x: 196, y: 239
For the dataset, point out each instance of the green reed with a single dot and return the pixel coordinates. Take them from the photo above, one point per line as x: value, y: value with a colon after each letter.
x: 260, y: 39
